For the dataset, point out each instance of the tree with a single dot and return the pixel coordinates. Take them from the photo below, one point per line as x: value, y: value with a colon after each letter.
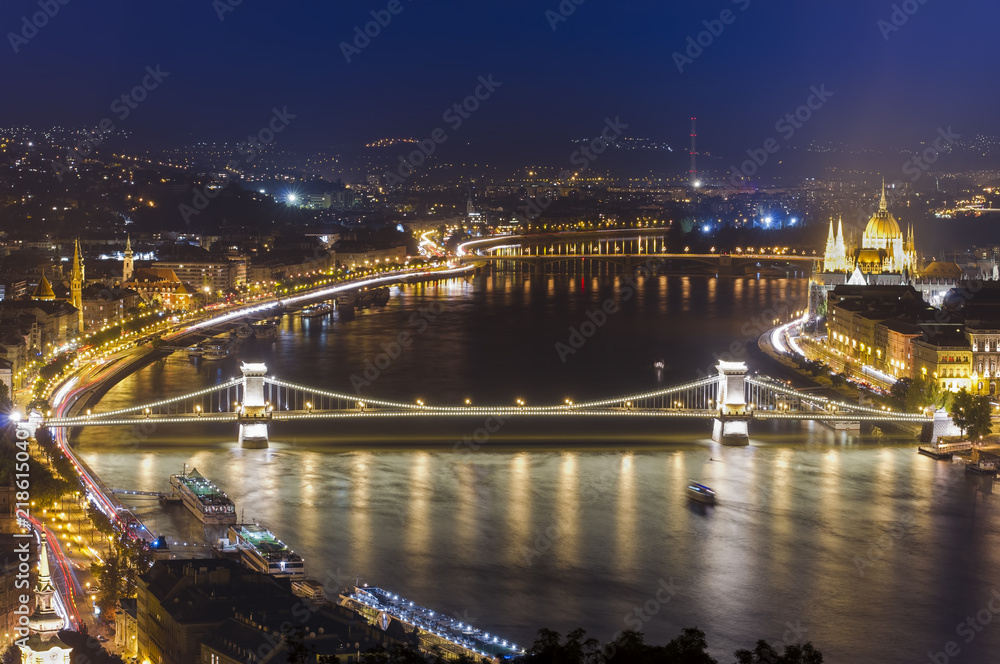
x: 11, y: 655
x: 899, y: 394
x: 764, y: 653
x: 971, y: 413
x: 980, y: 417
x: 689, y: 648
x: 127, y: 558
x: 959, y: 403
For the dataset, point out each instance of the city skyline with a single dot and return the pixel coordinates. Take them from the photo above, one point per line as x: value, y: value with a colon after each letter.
x: 222, y: 67
x: 540, y: 332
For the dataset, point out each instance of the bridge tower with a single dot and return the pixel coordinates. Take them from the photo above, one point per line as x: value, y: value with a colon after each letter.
x: 253, y: 413
x: 732, y: 424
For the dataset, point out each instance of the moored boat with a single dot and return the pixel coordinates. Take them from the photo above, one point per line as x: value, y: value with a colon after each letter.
x: 435, y: 630
x: 265, y: 329
x: 262, y: 551
x: 216, y: 349
x: 316, y: 310
x: 205, y: 500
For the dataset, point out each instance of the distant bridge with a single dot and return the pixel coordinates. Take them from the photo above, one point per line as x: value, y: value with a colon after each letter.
x: 253, y: 402
x: 630, y: 252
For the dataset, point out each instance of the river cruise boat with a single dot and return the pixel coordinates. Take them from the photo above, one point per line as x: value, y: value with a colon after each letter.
x: 262, y: 551
x: 216, y: 349
x: 203, y: 498
x: 316, y: 310
x: 983, y: 463
x: 265, y: 329
x: 700, y: 493
x: 435, y: 630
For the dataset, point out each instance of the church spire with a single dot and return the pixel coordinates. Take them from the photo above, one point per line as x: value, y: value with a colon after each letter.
x: 76, y: 285
x: 128, y: 267
x: 44, y: 620
x: 840, y: 229
x: 829, y: 238
x: 44, y: 577
x: 882, y: 204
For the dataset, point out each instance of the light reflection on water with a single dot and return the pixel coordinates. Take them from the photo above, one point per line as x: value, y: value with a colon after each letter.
x: 530, y: 532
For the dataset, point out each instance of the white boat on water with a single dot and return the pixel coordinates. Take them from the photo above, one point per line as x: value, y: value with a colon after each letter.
x: 700, y: 493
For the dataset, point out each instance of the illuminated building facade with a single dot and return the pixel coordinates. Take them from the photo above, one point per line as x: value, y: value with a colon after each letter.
x: 884, y: 249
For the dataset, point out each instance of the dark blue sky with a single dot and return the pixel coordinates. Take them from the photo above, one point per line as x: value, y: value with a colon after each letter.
x: 606, y: 59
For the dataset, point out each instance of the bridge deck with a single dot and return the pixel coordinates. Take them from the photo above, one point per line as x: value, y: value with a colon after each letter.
x: 503, y: 412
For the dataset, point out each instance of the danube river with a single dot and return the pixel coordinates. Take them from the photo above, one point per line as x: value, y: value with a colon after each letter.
x: 857, y: 543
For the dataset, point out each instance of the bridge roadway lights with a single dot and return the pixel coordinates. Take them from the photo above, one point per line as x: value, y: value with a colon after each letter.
x: 253, y: 416
x: 731, y: 427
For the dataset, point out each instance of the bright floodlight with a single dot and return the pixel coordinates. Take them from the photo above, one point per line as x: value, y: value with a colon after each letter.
x: 697, y: 183
x: 292, y: 198
x: 15, y: 416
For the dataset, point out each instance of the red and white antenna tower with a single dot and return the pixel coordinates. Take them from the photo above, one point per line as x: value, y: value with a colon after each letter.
x: 693, y: 173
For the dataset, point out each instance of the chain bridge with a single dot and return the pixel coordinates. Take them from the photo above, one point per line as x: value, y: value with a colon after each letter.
x: 256, y: 402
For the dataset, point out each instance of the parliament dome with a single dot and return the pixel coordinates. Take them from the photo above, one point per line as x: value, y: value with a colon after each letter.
x: 882, y: 225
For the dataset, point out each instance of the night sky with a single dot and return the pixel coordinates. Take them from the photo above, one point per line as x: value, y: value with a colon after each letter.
x: 605, y: 59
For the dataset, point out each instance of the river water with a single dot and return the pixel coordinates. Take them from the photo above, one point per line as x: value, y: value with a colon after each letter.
x: 855, y: 542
